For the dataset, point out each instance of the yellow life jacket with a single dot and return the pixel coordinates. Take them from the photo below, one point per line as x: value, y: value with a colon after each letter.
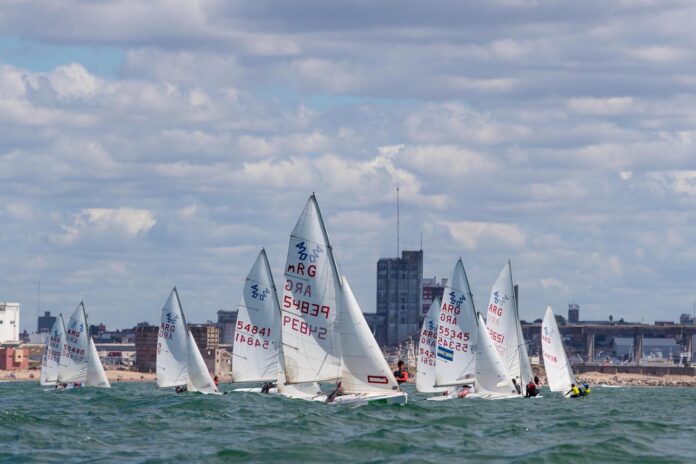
x: 587, y: 391
x: 575, y: 391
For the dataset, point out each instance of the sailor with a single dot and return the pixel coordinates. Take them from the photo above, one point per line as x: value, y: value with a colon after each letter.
x: 586, y: 390
x: 180, y: 388
x: 574, y: 391
x: 266, y: 387
x: 533, y: 388
x: 338, y: 391
x: 518, y: 389
x: 216, y: 380
x: 401, y: 374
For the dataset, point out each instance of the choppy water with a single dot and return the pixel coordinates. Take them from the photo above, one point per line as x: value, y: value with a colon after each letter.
x: 137, y: 423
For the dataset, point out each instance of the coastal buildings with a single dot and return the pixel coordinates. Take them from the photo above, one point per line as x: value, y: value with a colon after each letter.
x: 399, y: 298
x: 432, y: 289
x: 227, y: 321
x: 13, y: 358
x: 146, y: 347
x: 45, y: 322
x: 9, y: 322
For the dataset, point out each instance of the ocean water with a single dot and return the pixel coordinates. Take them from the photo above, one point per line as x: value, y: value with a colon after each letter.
x: 135, y: 422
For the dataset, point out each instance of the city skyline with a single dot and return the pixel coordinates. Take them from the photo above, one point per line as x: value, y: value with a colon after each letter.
x: 141, y: 151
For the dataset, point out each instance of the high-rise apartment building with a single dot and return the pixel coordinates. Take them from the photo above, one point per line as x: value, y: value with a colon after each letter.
x: 9, y: 322
x: 432, y: 289
x: 399, y: 298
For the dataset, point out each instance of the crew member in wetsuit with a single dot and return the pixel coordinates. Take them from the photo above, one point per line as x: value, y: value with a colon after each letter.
x: 531, y: 390
x: 338, y: 391
x: 216, y: 380
x: 574, y: 391
x: 401, y: 374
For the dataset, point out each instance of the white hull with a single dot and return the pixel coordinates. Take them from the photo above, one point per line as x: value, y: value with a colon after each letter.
x: 360, y: 399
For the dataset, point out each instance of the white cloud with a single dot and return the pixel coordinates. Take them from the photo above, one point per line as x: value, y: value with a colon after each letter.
x: 601, y: 106
x: 473, y: 235
x: 111, y: 222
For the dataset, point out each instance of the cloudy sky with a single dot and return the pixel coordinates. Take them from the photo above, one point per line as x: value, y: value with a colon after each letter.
x: 150, y: 144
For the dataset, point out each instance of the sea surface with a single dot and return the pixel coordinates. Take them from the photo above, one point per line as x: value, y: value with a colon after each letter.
x: 135, y: 422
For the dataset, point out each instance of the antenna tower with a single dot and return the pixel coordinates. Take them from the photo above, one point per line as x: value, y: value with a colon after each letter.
x: 398, y: 224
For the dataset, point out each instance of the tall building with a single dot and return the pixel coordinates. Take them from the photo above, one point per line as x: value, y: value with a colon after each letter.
x: 399, y: 298
x: 146, y: 347
x: 227, y: 322
x: 9, y: 322
x: 432, y: 289
x: 573, y: 313
x: 45, y: 322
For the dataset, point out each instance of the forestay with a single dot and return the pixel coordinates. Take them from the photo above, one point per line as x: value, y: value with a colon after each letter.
x: 457, y: 332
x: 199, y: 377
x: 310, y: 304
x: 96, y: 377
x: 257, y: 342
x: 172, y: 344
x: 51, y: 358
x: 559, y: 374
x: 363, y: 369
x: 491, y: 376
x: 427, y: 348
x: 74, y: 358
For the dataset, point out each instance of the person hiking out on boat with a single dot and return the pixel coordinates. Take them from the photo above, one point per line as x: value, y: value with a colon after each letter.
x: 216, y: 380
x: 585, y: 390
x: 335, y: 393
x: 518, y: 389
x: 533, y: 388
x: 574, y: 391
x: 400, y: 373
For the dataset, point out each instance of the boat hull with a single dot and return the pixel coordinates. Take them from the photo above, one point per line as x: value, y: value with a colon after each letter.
x: 359, y: 399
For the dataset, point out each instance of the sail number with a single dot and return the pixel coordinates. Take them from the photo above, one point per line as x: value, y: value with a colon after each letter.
x: 453, y: 345
x: 305, y: 307
x: 551, y: 357
x: 496, y: 337
x: 251, y: 341
x: 302, y: 327
x: 453, y: 334
x: 427, y: 357
x: 253, y: 329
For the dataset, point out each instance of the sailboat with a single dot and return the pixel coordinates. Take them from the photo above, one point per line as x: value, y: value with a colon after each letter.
x: 492, y: 379
x: 504, y: 328
x: 50, y: 364
x: 559, y: 374
x: 455, y: 353
x: 179, y: 362
x: 258, y: 349
x: 325, y: 336
x: 79, y: 360
x: 427, y: 349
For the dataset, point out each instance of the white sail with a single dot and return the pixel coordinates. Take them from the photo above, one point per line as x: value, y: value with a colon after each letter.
x: 457, y: 332
x: 172, y: 344
x: 559, y: 374
x: 504, y: 326
x: 96, y: 377
x: 50, y: 365
x: 74, y: 359
x: 427, y: 348
x: 199, y: 377
x: 363, y: 369
x: 310, y: 303
x: 492, y: 377
x: 257, y: 343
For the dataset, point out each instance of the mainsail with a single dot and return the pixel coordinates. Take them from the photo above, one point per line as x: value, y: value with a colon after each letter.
x: 559, y: 374
x: 51, y: 358
x: 427, y: 348
x: 504, y: 327
x: 257, y: 343
x: 172, y: 344
x: 491, y: 376
x: 363, y: 369
x: 457, y: 332
x: 311, y: 300
x: 74, y: 359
